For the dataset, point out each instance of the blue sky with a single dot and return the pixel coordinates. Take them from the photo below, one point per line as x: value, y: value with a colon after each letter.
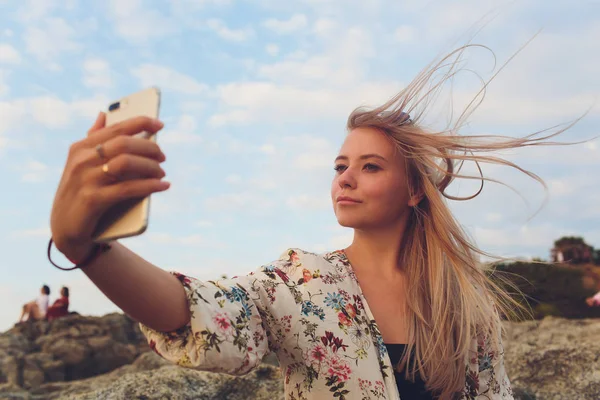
x: 255, y: 98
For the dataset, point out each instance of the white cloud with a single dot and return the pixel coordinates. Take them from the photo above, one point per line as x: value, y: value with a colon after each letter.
x: 187, y: 5
x: 311, y: 152
x: 326, y: 85
x: 263, y: 183
x: 35, y: 172
x: 9, y: 55
x: 34, y: 10
x: 245, y: 202
x: 232, y: 35
x: 560, y: 187
x: 9, y: 294
x: 11, y: 113
x: 190, y: 240
x: 404, y: 34
x: 340, y: 239
x: 317, y: 161
x: 493, y: 217
x: 233, y: 179
x: 167, y: 78
x: 185, y: 132
x: 53, y: 37
x: 255, y: 101
x: 324, y: 27
x: 538, y: 236
x: 97, y: 73
x: 90, y: 107
x: 282, y: 27
x: 308, y: 202
x: 49, y: 111
x: 267, y: 149
x: 192, y: 107
x: 580, y: 154
x: 230, y: 117
x: 4, y: 88
x: 527, y: 109
x: 43, y: 231
x: 204, y: 224
x: 137, y: 23
x: 272, y: 49
x: 315, y: 69
x: 4, y: 143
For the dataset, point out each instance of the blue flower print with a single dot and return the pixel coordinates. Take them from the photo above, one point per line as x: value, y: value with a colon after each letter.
x: 335, y: 301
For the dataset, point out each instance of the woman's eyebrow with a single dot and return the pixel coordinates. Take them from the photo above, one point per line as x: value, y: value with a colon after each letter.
x: 363, y: 157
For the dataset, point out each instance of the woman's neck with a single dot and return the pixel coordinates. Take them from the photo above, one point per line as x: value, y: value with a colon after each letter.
x: 378, y: 249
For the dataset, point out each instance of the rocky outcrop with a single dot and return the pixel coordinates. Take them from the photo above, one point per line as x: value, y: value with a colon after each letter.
x: 151, y: 377
x: 554, y: 358
x: 67, y: 349
x: 108, y: 358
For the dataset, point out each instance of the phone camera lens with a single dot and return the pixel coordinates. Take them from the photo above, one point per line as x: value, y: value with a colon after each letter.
x: 114, y: 106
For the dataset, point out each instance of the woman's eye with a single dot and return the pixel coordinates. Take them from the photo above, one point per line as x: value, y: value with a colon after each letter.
x: 371, y: 167
x: 339, y: 167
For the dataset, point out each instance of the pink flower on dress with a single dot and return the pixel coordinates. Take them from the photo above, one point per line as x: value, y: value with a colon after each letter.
x: 339, y: 368
x: 344, y: 320
x: 222, y: 321
x: 306, y: 275
x: 364, y: 384
x: 351, y: 310
x: 318, y: 353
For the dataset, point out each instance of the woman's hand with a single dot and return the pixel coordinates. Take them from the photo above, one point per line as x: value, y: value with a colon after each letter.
x: 94, y: 179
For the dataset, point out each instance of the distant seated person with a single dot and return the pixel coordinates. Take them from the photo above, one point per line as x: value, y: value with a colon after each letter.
x: 594, y: 300
x: 60, y: 307
x: 36, y: 309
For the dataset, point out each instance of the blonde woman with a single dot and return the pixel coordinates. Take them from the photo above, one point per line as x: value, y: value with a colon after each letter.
x: 406, y: 311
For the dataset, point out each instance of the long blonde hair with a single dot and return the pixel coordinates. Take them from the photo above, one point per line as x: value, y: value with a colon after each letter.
x: 452, y: 296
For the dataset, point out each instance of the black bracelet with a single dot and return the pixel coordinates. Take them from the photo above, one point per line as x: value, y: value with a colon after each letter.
x: 98, y: 249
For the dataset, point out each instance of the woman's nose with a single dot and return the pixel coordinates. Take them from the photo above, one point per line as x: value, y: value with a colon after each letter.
x: 347, y: 180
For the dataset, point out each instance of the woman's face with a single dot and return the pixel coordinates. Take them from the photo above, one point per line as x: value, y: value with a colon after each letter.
x: 370, y: 188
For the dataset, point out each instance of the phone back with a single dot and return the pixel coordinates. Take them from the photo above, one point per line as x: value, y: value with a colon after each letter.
x: 129, y: 218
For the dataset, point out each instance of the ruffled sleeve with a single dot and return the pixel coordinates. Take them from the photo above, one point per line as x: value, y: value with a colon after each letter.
x: 230, y: 321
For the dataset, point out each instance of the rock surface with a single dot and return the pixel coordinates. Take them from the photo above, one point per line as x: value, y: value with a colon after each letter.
x: 70, y: 348
x: 554, y: 358
x: 108, y: 358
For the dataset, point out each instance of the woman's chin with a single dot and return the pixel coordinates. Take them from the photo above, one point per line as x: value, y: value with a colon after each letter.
x: 348, y: 221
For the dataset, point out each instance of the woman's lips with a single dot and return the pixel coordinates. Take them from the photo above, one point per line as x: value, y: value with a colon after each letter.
x: 345, y: 200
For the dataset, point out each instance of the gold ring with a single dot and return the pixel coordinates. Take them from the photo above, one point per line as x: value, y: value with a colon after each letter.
x: 100, y: 152
x: 107, y: 172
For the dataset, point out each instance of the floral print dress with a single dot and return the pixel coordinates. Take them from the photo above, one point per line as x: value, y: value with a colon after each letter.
x: 309, y: 310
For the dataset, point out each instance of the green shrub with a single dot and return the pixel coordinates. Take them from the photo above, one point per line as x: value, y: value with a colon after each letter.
x: 550, y: 289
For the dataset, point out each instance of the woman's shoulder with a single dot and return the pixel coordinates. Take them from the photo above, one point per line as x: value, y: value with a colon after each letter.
x: 296, y: 262
x: 297, y: 256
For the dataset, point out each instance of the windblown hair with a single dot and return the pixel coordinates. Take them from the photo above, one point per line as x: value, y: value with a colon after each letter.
x: 452, y: 296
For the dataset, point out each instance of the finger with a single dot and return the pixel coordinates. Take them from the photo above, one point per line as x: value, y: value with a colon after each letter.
x: 127, y: 167
x: 98, y: 124
x: 138, y: 188
x: 128, y: 127
x: 134, y: 146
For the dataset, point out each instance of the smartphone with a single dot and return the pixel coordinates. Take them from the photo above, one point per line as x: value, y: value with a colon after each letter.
x: 129, y: 218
